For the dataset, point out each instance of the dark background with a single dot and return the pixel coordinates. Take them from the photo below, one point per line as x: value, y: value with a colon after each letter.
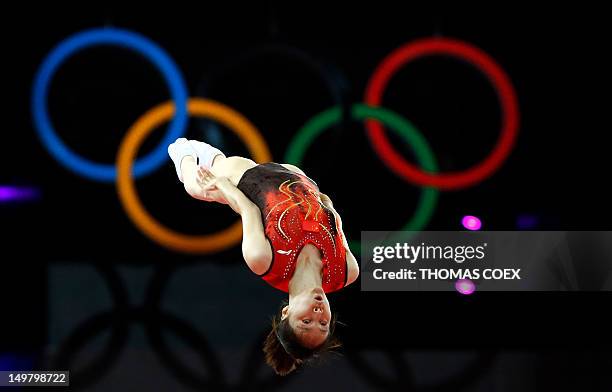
x: 558, y: 174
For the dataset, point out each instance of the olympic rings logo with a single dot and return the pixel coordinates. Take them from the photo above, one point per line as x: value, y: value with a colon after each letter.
x: 96, y: 37
x: 181, y: 106
x: 484, y: 63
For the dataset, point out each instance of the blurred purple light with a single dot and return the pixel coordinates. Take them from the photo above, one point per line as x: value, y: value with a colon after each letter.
x: 465, y: 286
x: 526, y: 221
x: 16, y: 362
x: 10, y: 193
x: 471, y: 222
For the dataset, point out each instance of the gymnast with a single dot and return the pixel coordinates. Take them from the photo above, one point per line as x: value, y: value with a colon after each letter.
x: 292, y: 238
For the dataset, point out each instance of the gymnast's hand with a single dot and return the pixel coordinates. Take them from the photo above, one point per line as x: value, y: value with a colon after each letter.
x: 220, y: 186
x: 193, y: 186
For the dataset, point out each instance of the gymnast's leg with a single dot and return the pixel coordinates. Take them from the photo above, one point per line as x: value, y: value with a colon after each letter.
x: 188, y: 155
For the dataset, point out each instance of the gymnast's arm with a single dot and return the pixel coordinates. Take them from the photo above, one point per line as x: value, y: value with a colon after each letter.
x: 256, y: 249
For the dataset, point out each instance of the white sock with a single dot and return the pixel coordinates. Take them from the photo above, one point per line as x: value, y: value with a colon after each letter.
x: 179, y: 150
x: 206, y: 153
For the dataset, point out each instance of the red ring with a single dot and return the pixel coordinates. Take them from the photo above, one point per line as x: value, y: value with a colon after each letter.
x: 482, y: 61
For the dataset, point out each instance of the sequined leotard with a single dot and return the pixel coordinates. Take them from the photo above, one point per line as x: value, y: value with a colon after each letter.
x: 293, y: 216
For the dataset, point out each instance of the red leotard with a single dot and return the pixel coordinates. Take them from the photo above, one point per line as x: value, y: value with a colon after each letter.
x: 293, y: 216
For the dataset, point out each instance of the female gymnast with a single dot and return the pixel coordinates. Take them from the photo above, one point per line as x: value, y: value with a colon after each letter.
x: 292, y: 238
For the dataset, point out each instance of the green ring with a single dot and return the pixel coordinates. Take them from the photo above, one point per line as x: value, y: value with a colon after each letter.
x: 424, y: 156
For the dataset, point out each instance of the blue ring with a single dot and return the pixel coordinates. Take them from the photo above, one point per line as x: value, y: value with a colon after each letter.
x: 123, y: 38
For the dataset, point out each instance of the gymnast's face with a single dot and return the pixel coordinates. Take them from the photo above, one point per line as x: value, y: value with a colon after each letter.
x: 309, y: 316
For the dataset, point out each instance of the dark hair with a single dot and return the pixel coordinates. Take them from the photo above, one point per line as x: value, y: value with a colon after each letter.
x: 284, y: 352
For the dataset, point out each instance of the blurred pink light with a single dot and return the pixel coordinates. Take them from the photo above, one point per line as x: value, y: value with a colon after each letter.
x: 471, y: 222
x: 465, y: 286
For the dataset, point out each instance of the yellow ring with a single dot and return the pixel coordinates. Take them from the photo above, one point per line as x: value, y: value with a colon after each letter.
x: 207, y: 243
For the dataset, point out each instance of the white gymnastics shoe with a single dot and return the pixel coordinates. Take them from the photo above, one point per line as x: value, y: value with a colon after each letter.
x: 206, y: 153
x: 179, y: 150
